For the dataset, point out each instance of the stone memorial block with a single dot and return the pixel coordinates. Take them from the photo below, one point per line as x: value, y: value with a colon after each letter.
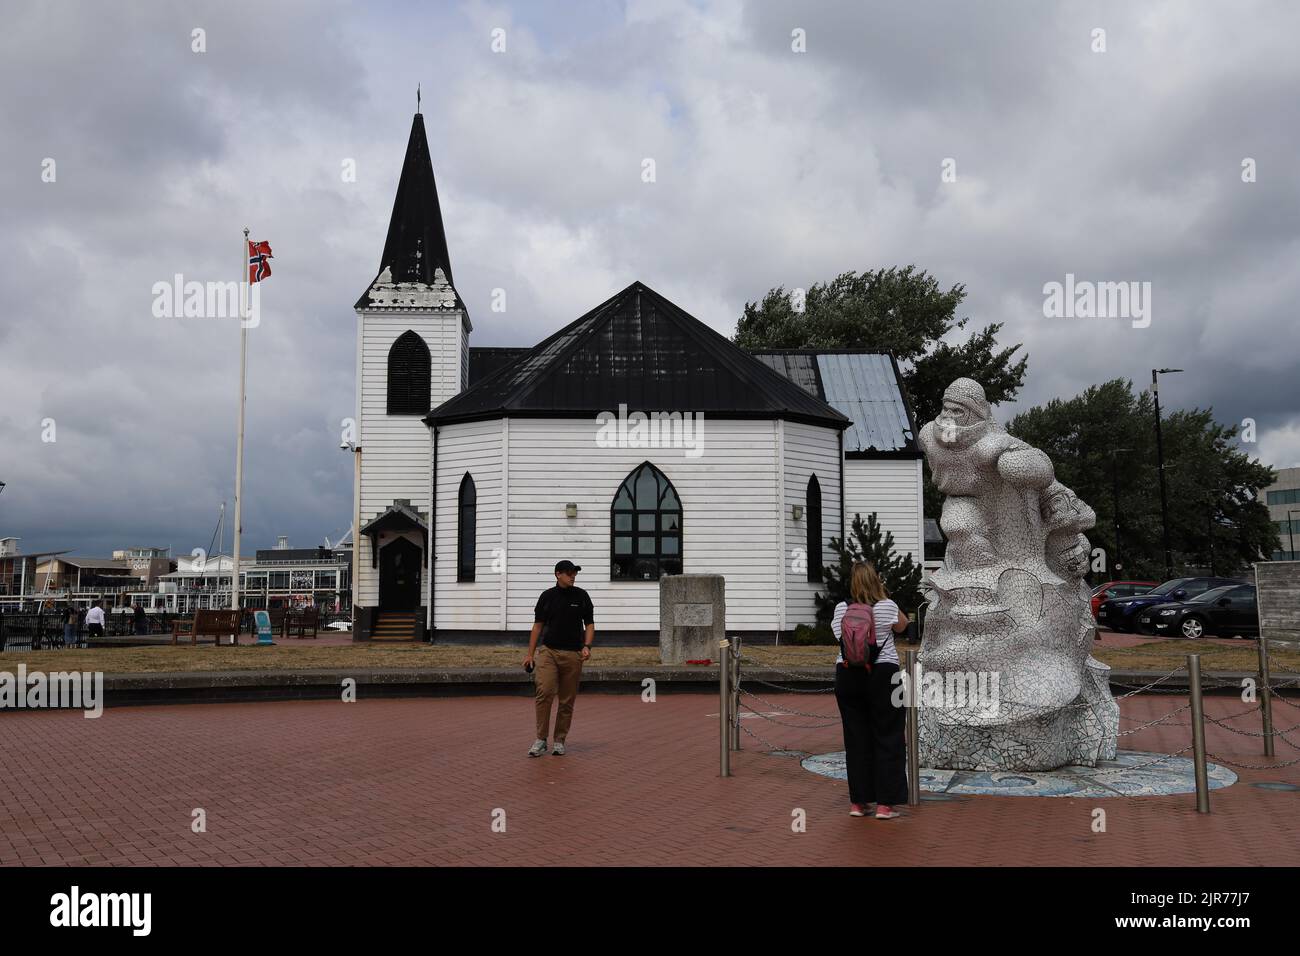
x: 692, y: 617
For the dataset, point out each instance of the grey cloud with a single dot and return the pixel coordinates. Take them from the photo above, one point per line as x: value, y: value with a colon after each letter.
x: 774, y: 169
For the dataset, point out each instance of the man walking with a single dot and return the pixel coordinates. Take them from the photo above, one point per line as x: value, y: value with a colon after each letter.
x: 95, y: 621
x: 563, y: 622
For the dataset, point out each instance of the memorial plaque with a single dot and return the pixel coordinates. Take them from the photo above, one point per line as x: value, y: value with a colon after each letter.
x: 693, y: 615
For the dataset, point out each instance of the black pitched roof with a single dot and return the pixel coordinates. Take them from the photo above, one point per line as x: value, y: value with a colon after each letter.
x: 486, y: 359
x: 639, y: 349
x: 416, y: 243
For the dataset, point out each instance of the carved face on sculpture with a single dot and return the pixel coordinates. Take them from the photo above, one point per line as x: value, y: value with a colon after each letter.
x: 1074, y: 557
x: 959, y: 426
x: 965, y: 417
x: 1060, y: 506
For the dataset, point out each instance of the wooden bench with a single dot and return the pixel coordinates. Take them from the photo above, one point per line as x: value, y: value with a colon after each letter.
x: 309, y: 618
x: 214, y: 624
x: 279, y: 620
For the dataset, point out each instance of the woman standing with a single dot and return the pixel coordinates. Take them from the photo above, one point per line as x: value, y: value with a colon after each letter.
x: 873, y: 726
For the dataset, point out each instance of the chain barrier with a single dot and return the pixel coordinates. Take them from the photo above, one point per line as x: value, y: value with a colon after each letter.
x: 771, y: 747
x: 1132, y: 690
x: 1158, y: 720
x: 785, y: 673
x: 787, y: 710
x: 1248, y: 733
x: 792, y: 690
x: 1147, y: 687
x: 1161, y: 759
x: 833, y: 720
x: 1252, y: 766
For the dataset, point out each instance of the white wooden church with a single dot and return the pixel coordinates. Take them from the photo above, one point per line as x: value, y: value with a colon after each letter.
x: 635, y: 441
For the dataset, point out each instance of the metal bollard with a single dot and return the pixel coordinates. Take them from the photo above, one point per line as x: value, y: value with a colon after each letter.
x: 724, y: 705
x: 1198, y: 733
x: 1265, y: 696
x: 735, y: 693
x: 913, y: 732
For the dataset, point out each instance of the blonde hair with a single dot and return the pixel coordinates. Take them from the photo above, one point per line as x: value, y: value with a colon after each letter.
x: 865, y: 586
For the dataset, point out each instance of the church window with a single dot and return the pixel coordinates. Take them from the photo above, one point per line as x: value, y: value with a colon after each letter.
x: 645, y: 527
x: 409, y: 376
x: 465, y: 529
x: 814, y: 518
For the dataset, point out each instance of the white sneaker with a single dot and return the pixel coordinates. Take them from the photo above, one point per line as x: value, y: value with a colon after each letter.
x: 537, y: 749
x: 558, y: 750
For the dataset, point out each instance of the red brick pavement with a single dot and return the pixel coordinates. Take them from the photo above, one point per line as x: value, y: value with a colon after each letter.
x: 416, y: 782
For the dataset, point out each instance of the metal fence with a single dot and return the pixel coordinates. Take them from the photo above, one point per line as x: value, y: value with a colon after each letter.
x: 733, y: 696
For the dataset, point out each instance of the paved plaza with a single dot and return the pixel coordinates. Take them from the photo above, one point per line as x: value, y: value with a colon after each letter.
x: 417, y: 781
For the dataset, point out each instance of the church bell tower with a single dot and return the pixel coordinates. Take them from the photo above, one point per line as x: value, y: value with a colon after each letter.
x: 412, y: 355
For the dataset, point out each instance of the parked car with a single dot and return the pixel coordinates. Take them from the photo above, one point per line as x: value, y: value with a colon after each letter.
x: 1120, y: 614
x: 1118, y: 589
x: 1224, y: 612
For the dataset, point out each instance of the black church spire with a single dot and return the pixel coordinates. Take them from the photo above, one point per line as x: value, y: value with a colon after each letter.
x: 416, y: 246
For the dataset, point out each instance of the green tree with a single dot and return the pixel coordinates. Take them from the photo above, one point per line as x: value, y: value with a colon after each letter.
x: 900, y: 574
x: 1102, y: 443
x: 903, y: 311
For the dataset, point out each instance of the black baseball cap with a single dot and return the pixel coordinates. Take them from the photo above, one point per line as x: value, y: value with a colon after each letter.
x: 566, y: 565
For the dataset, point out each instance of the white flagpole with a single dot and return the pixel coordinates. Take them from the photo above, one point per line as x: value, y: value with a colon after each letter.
x: 245, y: 293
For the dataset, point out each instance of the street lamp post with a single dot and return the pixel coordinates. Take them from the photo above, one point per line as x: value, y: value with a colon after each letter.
x: 1210, y: 535
x: 1160, y: 462
x: 1114, y: 477
x: 1290, y: 530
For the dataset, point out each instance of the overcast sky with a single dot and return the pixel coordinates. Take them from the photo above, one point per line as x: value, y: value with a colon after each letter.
x: 773, y: 167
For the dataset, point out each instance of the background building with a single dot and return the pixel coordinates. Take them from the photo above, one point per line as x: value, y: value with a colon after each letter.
x: 149, y: 564
x: 1282, y: 499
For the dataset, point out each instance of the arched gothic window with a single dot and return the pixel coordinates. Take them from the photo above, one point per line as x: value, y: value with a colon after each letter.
x: 645, y: 527
x: 465, y: 529
x: 409, y: 371
x: 814, y: 516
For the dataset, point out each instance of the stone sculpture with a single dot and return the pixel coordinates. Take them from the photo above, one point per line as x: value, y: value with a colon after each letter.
x: 1009, y: 609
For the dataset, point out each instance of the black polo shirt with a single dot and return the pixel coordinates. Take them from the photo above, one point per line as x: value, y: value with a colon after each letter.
x: 565, y: 614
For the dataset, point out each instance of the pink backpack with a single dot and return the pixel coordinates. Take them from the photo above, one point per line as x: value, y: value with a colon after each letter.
x: 858, y: 636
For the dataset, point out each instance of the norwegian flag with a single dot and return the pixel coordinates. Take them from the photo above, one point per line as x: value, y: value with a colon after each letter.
x: 258, y: 266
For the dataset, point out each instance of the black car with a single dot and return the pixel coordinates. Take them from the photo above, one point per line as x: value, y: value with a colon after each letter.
x: 1120, y: 614
x: 1224, y: 612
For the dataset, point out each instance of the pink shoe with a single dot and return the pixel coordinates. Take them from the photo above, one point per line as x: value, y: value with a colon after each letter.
x: 884, y: 812
x: 861, y: 809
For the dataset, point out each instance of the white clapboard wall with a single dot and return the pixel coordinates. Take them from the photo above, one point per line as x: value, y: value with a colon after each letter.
x: 735, y: 510
x: 808, y: 450
x: 892, y: 489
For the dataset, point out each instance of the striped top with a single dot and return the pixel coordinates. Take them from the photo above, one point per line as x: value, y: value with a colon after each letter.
x: 886, y: 614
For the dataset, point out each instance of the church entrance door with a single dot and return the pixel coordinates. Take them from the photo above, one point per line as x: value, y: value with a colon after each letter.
x: 399, y: 576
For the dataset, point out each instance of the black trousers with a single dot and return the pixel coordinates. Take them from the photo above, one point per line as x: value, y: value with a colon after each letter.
x: 873, y: 734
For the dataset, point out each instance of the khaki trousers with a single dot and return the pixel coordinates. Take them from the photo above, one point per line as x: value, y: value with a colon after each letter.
x: 557, y: 674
